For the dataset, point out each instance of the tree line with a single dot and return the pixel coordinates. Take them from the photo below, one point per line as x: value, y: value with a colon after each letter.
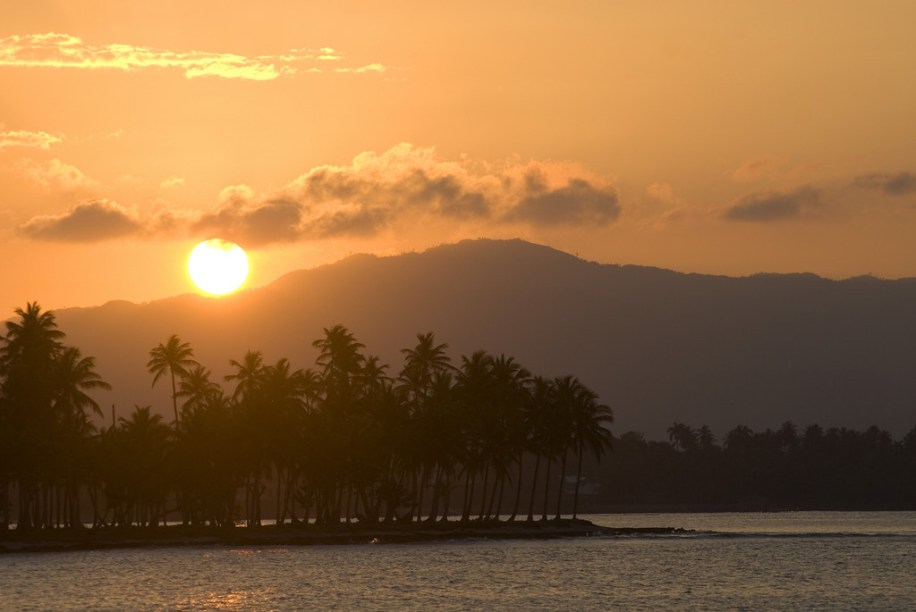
x: 346, y: 440
x: 786, y: 468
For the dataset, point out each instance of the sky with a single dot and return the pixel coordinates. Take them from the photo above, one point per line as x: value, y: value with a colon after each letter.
x: 713, y: 137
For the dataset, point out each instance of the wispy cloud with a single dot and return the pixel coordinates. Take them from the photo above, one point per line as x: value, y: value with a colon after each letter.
x: 86, y: 222
x: 362, y: 69
x: 55, y: 175
x: 67, y: 51
x: 24, y: 138
x: 758, y: 168
x: 773, y: 206
x: 172, y: 182
x: 401, y: 187
x: 899, y: 183
x: 576, y: 203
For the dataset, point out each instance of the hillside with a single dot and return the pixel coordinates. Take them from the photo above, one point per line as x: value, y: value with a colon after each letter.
x: 658, y: 346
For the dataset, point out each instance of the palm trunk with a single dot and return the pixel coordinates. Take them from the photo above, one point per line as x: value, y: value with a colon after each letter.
x: 518, y: 488
x: 4, y: 505
x: 174, y: 398
x: 483, y: 495
x: 534, y: 484
x: 575, y: 513
x: 279, y: 517
x: 448, y: 492
x: 468, y: 496
x: 499, y: 500
x: 421, y: 488
x: 560, y: 487
x: 546, y: 489
x: 437, y: 486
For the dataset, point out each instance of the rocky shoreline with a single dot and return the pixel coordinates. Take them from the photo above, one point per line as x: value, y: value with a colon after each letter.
x: 298, y: 535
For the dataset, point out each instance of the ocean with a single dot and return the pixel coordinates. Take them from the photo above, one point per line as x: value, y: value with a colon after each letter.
x: 748, y: 561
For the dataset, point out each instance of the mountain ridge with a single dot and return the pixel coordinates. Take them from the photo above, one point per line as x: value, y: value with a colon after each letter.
x: 657, y: 345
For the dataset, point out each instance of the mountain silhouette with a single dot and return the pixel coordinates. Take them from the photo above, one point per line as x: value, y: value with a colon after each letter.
x: 656, y: 345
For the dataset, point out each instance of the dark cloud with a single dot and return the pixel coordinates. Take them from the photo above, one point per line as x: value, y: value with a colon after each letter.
x: 86, y: 222
x: 359, y: 221
x: 445, y: 195
x: 407, y: 184
x: 325, y: 184
x: 773, y: 206
x: 404, y: 187
x: 276, y: 220
x: 578, y: 203
x: 901, y: 183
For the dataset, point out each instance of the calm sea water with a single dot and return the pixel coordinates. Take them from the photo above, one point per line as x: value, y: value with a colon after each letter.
x: 809, y: 560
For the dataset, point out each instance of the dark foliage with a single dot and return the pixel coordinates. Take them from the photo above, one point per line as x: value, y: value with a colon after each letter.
x: 343, y: 442
x: 787, y: 468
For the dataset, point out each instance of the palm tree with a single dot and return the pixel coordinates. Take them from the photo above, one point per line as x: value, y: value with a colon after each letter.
x: 706, y: 439
x: 197, y: 388
x: 248, y: 373
x: 538, y: 416
x: 473, y: 387
x: 682, y: 437
x: 27, y: 358
x: 35, y: 337
x: 510, y: 397
x: 249, y: 377
x: 421, y: 363
x: 173, y: 357
x: 144, y: 445
x: 568, y: 390
x: 589, y: 421
x: 282, y: 390
x: 340, y: 358
x: 75, y: 375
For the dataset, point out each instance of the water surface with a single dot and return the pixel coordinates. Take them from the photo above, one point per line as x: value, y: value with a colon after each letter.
x: 809, y: 560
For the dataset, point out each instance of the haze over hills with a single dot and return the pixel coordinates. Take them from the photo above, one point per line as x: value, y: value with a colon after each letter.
x: 656, y: 345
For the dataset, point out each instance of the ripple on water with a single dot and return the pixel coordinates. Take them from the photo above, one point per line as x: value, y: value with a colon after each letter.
x: 750, y: 572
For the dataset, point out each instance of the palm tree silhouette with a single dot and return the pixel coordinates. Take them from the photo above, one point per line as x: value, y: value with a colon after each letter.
x: 197, y: 389
x: 74, y: 375
x: 682, y: 437
x: 144, y: 444
x: 248, y: 373
x: 172, y: 357
x: 538, y: 417
x: 27, y: 357
x: 423, y: 366
x: 589, y: 420
x: 341, y: 360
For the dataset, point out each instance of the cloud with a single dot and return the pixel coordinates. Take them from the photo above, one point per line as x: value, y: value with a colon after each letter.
x: 411, y: 185
x: 760, y: 167
x: 577, y: 203
x: 23, y: 138
x: 272, y: 221
x: 363, y: 69
x: 901, y: 183
x: 773, y: 206
x: 172, y: 182
x: 55, y: 174
x: 67, y: 51
x: 661, y: 192
x: 400, y: 189
x: 86, y: 222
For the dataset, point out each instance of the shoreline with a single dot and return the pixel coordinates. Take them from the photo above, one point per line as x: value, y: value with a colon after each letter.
x: 58, y: 540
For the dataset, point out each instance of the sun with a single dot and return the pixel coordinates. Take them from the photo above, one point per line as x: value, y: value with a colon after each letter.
x: 218, y: 266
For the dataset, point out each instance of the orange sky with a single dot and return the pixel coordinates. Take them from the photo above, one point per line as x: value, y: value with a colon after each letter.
x: 720, y: 137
